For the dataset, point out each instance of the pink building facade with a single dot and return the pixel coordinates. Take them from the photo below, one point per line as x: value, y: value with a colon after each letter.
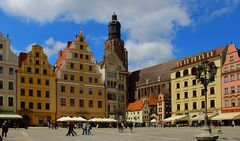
x: 231, y: 80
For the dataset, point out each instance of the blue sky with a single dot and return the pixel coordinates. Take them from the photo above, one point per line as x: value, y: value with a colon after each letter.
x: 154, y: 31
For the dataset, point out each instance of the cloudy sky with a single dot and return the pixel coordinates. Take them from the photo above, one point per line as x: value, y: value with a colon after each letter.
x: 154, y: 31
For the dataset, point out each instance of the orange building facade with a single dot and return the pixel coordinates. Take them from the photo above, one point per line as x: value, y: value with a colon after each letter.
x: 36, y: 88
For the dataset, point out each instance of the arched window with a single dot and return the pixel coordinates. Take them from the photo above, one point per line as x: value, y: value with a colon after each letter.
x: 178, y: 74
x: 185, y: 72
x: 193, y: 70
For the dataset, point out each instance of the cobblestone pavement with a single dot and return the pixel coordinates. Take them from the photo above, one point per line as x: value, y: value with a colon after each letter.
x: 112, y: 134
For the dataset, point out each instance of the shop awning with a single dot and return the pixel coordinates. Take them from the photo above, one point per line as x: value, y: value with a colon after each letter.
x: 176, y: 118
x: 10, y: 116
x: 226, y: 116
x: 201, y: 117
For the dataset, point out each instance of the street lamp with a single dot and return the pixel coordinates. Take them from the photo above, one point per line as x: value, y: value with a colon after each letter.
x: 205, y: 74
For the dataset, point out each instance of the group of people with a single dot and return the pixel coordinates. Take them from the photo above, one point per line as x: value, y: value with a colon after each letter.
x: 86, y: 129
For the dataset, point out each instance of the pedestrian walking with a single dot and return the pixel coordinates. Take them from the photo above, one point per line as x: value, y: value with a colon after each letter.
x: 89, y: 129
x: 84, y: 127
x: 131, y: 127
x: 70, y: 129
x: 4, y: 129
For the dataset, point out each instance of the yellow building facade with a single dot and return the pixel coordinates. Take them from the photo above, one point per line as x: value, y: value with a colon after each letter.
x: 187, y: 94
x: 36, y: 89
x: 80, y: 88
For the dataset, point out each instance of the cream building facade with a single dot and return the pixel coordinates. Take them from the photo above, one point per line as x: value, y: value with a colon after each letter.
x: 187, y: 94
x: 8, y: 66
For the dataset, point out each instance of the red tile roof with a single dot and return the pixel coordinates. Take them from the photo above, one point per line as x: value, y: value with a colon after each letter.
x: 136, y: 106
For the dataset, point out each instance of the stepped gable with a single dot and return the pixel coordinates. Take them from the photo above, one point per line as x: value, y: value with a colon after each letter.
x: 153, y: 74
x: 152, y: 99
x: 135, y: 106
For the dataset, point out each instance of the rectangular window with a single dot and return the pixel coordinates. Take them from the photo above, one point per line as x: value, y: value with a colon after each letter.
x: 232, y: 89
x: 232, y: 68
x: 38, y: 93
x: 90, y: 79
x: 22, y: 92
x: 75, y: 55
x: 30, y: 92
x: 99, y: 92
x: 231, y: 58
x: 1, y: 57
x: 1, y: 101
x: 178, y: 96
x: 39, y: 81
x: 212, y: 91
x: 1, y: 84
x: 29, y: 69
x: 10, y: 101
x: 186, y: 106
x: 90, y: 68
x: 194, y: 82
x: 44, y: 71
x: 185, y: 94
x: 37, y: 71
x: 202, y: 92
x: 212, y: 103
x: 226, y: 69
x: 65, y: 77
x: 72, y: 65
x: 47, y: 94
x: 37, y: 54
x: 238, y: 88
x: 39, y: 106
x: 225, y: 90
x: 238, y: 76
x: 226, y: 103
x: 62, y: 88
x: 90, y: 91
x: 194, y: 92
x: 86, y: 57
x: 72, y: 77
x: 233, y: 102
x: 81, y: 66
x: 202, y: 104
x: 90, y: 103
x: 30, y: 80
x: 10, y: 85
x: 178, y: 85
x: 30, y: 105
x: 95, y: 80
x: 47, y: 82
x: 11, y: 71
x: 22, y: 80
x: 81, y: 78
x: 37, y: 62
x: 1, y: 46
x: 238, y: 102
x: 63, y: 101
x: 185, y: 83
x: 71, y: 89
x: 194, y: 105
x: 81, y: 56
x: 238, y: 66
x: 81, y: 46
x: 72, y: 102
x: 99, y: 104
x: 22, y: 105
x: 232, y: 77
x: 47, y: 106
x: 1, y: 69
x: 81, y: 103
x: 225, y: 79
x: 80, y: 90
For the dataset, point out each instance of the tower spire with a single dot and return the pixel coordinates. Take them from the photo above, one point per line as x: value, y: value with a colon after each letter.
x: 114, y: 28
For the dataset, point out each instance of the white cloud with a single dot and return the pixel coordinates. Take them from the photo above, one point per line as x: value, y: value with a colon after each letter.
x: 50, y: 47
x: 150, y: 24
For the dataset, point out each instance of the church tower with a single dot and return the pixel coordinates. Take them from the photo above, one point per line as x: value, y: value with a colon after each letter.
x: 115, y: 70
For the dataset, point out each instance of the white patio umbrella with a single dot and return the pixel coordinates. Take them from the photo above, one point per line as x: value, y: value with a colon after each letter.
x: 64, y: 118
x: 78, y: 119
x: 153, y: 120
